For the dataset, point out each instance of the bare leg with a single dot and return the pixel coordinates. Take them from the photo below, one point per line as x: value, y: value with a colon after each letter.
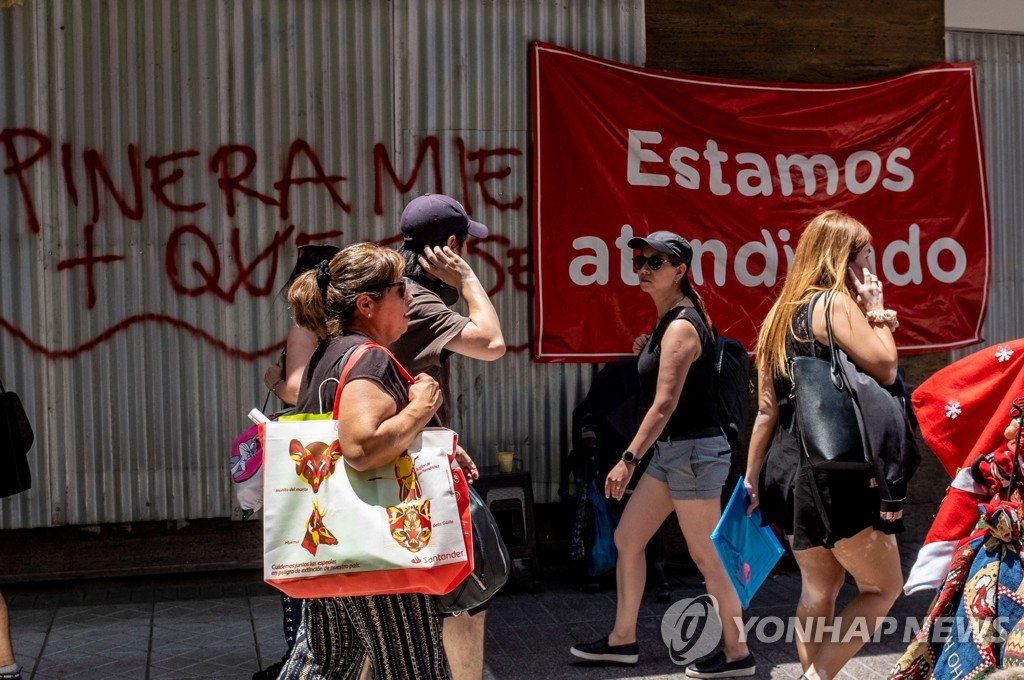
x: 464, y: 645
x: 648, y: 507
x: 6, y: 651
x: 873, y: 560
x: 821, y: 578
x: 697, y: 519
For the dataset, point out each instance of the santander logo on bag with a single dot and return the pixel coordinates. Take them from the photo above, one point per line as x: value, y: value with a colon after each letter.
x: 332, y: 530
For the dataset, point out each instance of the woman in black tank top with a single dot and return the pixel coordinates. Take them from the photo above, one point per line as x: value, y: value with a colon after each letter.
x: 689, y: 461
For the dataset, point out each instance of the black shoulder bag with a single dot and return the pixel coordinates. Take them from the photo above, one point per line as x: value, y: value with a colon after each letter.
x: 491, y: 563
x: 15, y: 440
x: 826, y: 412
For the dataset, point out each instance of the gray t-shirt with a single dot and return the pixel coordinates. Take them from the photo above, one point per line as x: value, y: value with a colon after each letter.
x: 432, y: 325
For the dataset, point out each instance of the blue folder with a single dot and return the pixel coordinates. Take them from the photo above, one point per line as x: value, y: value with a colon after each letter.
x: 748, y: 550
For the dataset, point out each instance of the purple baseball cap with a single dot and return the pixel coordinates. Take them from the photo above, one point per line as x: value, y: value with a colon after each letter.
x: 434, y: 217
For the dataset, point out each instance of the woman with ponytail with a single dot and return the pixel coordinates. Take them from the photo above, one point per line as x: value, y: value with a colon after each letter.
x: 360, y: 296
x: 689, y: 463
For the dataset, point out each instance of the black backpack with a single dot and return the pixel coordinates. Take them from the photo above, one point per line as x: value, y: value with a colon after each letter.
x: 733, y: 387
x: 15, y: 440
x: 734, y: 391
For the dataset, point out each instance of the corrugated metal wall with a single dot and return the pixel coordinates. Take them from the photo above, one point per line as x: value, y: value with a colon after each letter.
x: 1000, y: 68
x: 137, y: 392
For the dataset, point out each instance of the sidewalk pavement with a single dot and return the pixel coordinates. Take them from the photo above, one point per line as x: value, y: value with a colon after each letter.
x: 226, y: 626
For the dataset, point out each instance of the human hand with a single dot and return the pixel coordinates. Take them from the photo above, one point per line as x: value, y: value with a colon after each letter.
x: 425, y: 392
x: 752, y: 492
x: 466, y: 463
x: 445, y: 264
x: 866, y: 287
x: 616, y: 481
x: 640, y: 341
x: 273, y: 376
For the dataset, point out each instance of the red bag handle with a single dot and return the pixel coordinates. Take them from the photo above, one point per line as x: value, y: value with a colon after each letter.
x: 357, y: 353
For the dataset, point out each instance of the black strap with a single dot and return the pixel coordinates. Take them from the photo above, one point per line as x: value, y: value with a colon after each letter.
x: 837, y: 374
x: 659, y: 330
x: 838, y: 379
x: 282, y: 361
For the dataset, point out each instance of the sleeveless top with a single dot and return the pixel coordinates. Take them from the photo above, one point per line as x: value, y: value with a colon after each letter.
x: 800, y: 342
x: 695, y: 415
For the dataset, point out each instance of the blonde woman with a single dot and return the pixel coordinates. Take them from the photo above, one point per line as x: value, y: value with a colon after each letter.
x: 833, y: 520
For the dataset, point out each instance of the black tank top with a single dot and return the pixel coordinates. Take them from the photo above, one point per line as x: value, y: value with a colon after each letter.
x: 325, y: 364
x: 695, y: 414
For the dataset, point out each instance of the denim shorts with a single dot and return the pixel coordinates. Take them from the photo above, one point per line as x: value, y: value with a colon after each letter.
x: 694, y: 469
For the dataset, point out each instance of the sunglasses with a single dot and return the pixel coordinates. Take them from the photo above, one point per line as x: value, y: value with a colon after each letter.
x: 653, y: 262
x: 376, y: 288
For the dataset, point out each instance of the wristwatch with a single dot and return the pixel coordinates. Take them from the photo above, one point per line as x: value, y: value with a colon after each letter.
x: 630, y: 458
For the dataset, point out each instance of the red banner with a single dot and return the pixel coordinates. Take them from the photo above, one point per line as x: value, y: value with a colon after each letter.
x: 739, y: 168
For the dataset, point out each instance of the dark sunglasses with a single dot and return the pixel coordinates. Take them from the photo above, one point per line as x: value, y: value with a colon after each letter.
x: 653, y: 262
x: 378, y: 287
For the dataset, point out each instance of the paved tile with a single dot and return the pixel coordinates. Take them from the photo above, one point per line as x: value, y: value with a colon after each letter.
x: 228, y: 631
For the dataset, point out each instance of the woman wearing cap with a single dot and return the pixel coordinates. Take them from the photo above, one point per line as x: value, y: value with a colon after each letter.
x: 361, y: 296
x: 689, y: 459
x: 834, y: 520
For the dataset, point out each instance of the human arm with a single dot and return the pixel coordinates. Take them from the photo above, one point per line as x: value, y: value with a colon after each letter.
x: 481, y: 338
x: 869, y: 345
x: 765, y: 421
x: 372, y: 430
x: 299, y: 346
x: 680, y: 347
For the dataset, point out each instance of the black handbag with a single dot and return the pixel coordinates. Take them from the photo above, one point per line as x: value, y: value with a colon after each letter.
x: 491, y: 563
x: 15, y: 440
x: 826, y: 413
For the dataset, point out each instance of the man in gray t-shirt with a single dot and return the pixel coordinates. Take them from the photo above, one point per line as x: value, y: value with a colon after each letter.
x: 434, y: 231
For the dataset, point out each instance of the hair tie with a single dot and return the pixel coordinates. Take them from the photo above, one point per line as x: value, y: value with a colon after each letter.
x: 323, y: 278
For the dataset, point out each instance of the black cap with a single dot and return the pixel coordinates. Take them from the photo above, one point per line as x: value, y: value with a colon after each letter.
x: 667, y: 243
x: 434, y: 217
x: 310, y: 254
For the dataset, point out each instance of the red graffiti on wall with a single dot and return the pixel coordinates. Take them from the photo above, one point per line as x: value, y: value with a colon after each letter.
x: 196, y: 263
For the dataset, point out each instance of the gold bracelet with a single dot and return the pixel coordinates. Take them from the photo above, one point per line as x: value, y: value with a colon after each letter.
x: 883, y: 317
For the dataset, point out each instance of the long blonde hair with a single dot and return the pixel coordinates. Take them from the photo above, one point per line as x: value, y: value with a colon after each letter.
x: 825, y: 249
x: 330, y: 311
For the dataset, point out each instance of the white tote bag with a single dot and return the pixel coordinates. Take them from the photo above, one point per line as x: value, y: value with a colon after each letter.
x: 330, y: 530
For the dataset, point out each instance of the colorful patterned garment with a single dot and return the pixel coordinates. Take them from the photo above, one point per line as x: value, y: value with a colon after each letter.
x: 976, y: 622
x: 963, y: 411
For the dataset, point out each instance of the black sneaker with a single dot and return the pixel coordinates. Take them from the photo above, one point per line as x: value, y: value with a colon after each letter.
x: 715, y: 666
x: 600, y: 650
x: 16, y: 675
x: 270, y: 672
